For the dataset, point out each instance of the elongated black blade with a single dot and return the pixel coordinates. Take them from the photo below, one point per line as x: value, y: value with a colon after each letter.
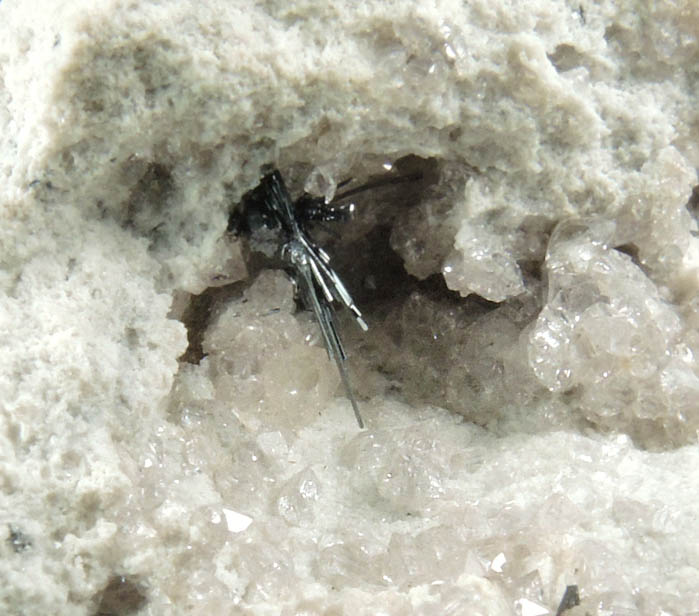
x: 279, y: 201
x: 324, y: 315
x: 328, y: 280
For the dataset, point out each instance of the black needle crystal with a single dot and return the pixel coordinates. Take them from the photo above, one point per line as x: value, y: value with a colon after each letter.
x: 269, y: 209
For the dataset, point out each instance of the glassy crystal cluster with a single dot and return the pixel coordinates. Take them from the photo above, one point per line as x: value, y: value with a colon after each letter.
x: 173, y: 437
x: 608, y: 335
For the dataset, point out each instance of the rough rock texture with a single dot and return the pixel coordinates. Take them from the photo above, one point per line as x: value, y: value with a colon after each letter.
x: 173, y: 439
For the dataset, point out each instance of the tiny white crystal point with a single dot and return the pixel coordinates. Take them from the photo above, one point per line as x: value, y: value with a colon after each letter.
x: 235, y: 521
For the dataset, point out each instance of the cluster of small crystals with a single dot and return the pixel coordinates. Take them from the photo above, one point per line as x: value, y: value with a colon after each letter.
x: 279, y: 501
x: 420, y: 514
x: 424, y: 234
x: 257, y: 341
x: 592, y: 335
x: 608, y: 336
x: 466, y: 358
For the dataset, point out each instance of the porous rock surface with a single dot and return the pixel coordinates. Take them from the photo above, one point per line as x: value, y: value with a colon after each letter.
x: 173, y: 439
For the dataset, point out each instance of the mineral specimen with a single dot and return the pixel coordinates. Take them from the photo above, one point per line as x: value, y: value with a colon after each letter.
x: 530, y: 379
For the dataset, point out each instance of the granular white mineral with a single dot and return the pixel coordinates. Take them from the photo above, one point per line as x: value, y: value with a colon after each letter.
x: 173, y: 438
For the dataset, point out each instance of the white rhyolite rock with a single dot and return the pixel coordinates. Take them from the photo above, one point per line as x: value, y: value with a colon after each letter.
x: 530, y: 378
